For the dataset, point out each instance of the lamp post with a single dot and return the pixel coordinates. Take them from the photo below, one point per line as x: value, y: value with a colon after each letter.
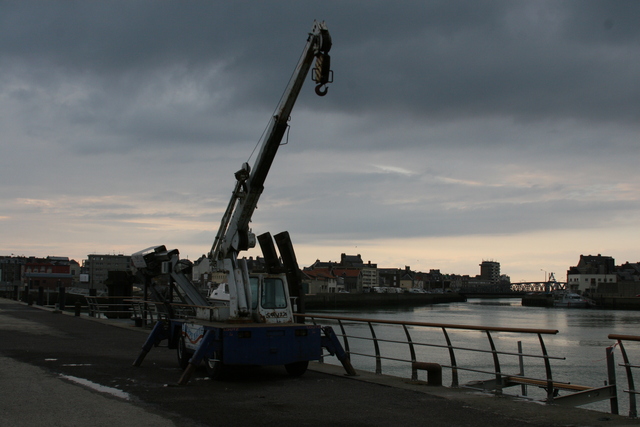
x: 545, y: 281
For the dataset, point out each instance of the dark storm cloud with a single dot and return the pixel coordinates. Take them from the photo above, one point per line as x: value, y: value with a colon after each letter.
x: 136, y: 73
x: 526, y: 60
x: 440, y: 59
x: 124, y: 44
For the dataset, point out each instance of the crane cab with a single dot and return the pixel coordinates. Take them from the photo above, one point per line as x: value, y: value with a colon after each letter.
x: 270, y: 302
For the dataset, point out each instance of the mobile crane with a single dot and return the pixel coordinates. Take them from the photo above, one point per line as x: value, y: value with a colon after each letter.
x: 257, y: 326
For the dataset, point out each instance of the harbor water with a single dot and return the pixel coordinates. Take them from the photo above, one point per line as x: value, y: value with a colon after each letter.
x: 581, y: 342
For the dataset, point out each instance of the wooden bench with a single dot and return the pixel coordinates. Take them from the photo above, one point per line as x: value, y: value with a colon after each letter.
x: 545, y: 384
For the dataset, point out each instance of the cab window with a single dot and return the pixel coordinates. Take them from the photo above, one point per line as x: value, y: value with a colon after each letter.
x: 254, y: 292
x: 273, y: 295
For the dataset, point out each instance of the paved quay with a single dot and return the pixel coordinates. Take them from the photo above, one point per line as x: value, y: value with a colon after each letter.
x: 61, y: 370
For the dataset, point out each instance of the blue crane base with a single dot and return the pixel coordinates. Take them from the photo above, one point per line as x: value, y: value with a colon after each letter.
x: 291, y: 345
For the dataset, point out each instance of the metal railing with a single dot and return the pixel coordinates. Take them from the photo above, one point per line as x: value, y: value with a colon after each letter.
x: 417, y: 340
x: 115, y: 307
x: 146, y: 312
x: 628, y: 366
x: 150, y: 311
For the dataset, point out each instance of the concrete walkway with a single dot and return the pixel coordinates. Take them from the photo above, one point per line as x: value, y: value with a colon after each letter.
x: 30, y: 396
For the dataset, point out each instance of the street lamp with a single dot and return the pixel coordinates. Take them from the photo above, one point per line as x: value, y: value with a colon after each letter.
x: 545, y: 275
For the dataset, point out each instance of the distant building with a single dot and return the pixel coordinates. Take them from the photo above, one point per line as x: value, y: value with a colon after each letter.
x: 420, y: 280
x: 203, y: 276
x: 323, y: 264
x: 348, y: 279
x: 490, y: 272
x: 11, y: 270
x: 629, y: 272
x: 592, y: 271
x: 201, y: 271
x: 458, y: 282
x: 389, y: 277
x: 99, y: 266
x: 49, y: 273
x: 319, y: 280
x: 257, y: 264
x: 628, y: 281
x: 351, y: 273
x: 434, y: 279
x: 369, y: 275
x: 407, y: 278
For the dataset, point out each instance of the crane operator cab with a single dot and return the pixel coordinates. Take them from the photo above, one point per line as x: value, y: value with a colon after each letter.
x: 270, y: 299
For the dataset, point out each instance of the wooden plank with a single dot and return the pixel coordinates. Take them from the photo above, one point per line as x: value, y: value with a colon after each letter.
x: 543, y: 383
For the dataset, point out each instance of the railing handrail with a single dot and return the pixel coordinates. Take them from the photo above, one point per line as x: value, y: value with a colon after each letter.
x: 434, y: 325
x: 624, y: 337
x: 176, y: 304
x: 104, y: 296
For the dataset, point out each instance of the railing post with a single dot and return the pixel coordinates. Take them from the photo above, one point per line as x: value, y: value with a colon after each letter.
x: 345, y: 341
x: 377, y: 348
x: 523, y: 387
x: 496, y: 363
x: 611, y: 371
x: 547, y: 367
x: 452, y: 356
x: 414, y: 371
x: 61, y: 298
x: 633, y: 412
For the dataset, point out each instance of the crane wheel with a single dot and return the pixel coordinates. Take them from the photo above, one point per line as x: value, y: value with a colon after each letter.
x: 214, y: 366
x: 183, y: 354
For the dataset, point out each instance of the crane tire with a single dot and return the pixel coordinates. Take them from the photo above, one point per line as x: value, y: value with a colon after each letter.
x: 183, y: 354
x: 214, y: 366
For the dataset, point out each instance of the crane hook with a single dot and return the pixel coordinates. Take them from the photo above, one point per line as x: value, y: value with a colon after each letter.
x: 321, y: 90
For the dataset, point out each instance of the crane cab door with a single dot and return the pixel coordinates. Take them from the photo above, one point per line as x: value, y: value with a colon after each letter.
x: 270, y: 299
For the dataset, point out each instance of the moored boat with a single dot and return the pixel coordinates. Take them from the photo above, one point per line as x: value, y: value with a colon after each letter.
x: 570, y: 300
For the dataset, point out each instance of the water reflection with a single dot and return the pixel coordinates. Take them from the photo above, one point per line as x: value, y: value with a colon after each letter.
x: 509, y: 303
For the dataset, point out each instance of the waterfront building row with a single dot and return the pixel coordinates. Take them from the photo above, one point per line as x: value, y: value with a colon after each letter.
x: 596, y: 275
x: 53, y: 272
x: 592, y: 275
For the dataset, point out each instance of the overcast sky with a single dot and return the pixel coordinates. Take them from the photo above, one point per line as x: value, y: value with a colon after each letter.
x: 454, y: 131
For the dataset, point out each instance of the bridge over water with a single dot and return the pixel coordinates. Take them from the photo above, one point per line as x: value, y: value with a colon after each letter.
x: 547, y: 286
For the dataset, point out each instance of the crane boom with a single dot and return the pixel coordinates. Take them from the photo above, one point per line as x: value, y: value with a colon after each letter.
x: 263, y: 298
x: 234, y: 234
